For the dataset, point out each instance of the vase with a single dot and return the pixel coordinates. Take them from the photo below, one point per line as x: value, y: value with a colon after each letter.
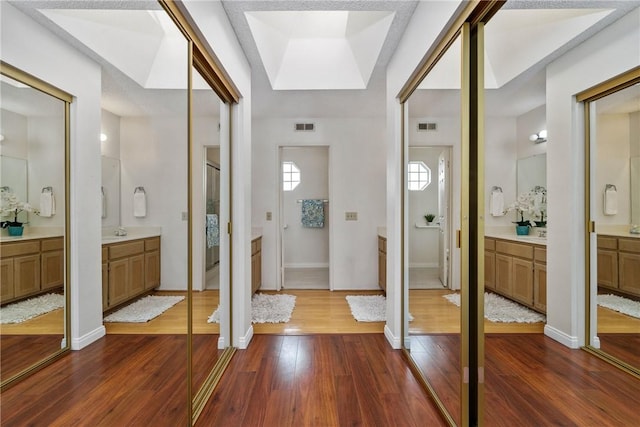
x: 522, y: 230
x: 15, y: 230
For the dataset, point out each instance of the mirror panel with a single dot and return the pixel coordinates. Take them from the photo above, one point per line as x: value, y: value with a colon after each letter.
x: 635, y: 190
x: 432, y: 319
x: 32, y: 170
x: 532, y: 173
x: 615, y: 144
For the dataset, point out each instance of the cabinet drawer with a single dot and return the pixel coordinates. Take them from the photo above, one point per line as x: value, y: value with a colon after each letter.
x: 126, y: 249
x: 152, y: 244
x: 22, y: 248
x: 629, y: 245
x: 540, y: 254
x: 514, y: 249
x: 52, y: 244
x: 105, y: 254
x: 489, y: 244
x: 607, y: 242
x: 382, y: 244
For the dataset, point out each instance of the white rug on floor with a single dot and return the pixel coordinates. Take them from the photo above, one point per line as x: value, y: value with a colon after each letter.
x: 144, y: 309
x: 499, y: 309
x: 265, y: 308
x: 620, y: 304
x: 368, y: 308
x: 33, y: 307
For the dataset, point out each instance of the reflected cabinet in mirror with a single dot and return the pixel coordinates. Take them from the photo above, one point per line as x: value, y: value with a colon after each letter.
x: 33, y: 207
x: 614, y: 141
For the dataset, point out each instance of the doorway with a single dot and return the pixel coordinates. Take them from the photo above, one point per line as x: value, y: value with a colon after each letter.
x: 212, y: 213
x: 304, y: 217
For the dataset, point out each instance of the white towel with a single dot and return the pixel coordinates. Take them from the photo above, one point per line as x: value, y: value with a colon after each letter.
x: 104, y: 203
x: 139, y: 204
x: 47, y: 204
x: 610, y: 201
x: 496, y: 203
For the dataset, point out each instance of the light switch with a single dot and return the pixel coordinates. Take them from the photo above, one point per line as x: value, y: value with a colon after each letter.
x: 268, y: 216
x: 351, y: 216
x: 185, y: 216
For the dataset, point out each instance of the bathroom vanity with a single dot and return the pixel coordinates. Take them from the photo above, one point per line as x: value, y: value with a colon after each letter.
x: 130, y: 268
x: 31, y: 265
x: 256, y: 263
x: 382, y: 262
x: 516, y: 268
x: 619, y: 264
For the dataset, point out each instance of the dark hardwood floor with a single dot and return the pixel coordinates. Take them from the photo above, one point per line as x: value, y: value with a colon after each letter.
x: 18, y: 352
x: 323, y: 380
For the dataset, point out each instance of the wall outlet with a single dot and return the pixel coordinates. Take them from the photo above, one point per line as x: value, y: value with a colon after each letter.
x: 185, y: 216
x: 351, y: 216
x: 268, y: 216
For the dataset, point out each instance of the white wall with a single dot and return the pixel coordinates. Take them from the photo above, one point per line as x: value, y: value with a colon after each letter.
x: 356, y: 184
x: 426, y: 23
x: 604, y: 56
x: 501, y: 147
x: 212, y: 21
x: 29, y: 47
x: 14, y: 129
x: 110, y: 126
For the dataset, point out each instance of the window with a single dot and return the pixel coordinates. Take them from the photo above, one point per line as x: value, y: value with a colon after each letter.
x: 419, y: 176
x: 290, y: 176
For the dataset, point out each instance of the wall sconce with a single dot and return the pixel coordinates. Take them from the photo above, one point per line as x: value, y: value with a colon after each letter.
x: 103, y: 137
x: 539, y: 137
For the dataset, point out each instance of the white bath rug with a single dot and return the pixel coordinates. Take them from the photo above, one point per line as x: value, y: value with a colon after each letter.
x: 33, y: 307
x: 368, y: 308
x: 620, y: 304
x: 215, y: 316
x: 503, y: 310
x: 144, y: 309
x: 267, y: 308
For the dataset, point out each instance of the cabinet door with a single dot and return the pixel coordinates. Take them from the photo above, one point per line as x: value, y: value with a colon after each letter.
x: 540, y: 287
x: 608, y: 268
x: 137, y: 275
x: 489, y: 270
x: 52, y: 269
x: 105, y: 286
x: 382, y: 270
x: 523, y: 281
x: 152, y: 269
x: 629, y: 268
x: 6, y: 280
x: 254, y: 266
x: 118, y: 281
x: 26, y: 275
x: 504, y: 272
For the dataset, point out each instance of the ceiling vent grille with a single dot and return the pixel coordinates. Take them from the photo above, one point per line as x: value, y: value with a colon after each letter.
x: 423, y: 127
x: 305, y: 127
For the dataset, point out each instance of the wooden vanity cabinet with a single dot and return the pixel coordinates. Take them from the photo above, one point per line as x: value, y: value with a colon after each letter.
x: 517, y: 271
x: 619, y: 264
x: 256, y: 264
x: 382, y: 263
x: 31, y: 267
x: 132, y: 268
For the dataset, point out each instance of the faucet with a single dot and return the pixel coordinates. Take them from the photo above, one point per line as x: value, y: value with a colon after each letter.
x: 121, y: 231
x: 635, y: 229
x: 542, y: 233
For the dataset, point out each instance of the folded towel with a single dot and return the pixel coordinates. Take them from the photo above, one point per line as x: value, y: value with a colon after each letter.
x: 496, y: 203
x: 610, y: 201
x: 312, y: 213
x: 139, y: 204
x: 47, y: 204
x: 213, y: 231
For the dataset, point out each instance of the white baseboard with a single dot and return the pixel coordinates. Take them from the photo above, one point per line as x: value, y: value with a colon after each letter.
x: 244, y: 341
x: 394, y: 341
x: 221, y: 344
x: 307, y: 265
x: 86, y: 339
x: 561, y: 337
x: 596, y: 342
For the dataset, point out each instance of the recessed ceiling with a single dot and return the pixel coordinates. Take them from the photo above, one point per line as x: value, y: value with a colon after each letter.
x: 335, y: 49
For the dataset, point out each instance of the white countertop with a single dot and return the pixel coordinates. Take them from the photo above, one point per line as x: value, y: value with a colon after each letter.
x: 255, y: 233
x: 522, y: 239
x: 382, y: 232
x: 31, y: 233
x: 133, y: 233
x: 616, y: 230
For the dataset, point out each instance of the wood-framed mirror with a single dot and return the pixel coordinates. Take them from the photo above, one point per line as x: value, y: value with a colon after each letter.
x: 34, y: 241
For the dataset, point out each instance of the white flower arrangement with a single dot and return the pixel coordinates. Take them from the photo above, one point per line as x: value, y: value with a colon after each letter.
x: 11, y: 206
x: 534, y: 203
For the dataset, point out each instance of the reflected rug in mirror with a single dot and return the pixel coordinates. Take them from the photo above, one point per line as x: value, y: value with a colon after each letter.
x: 503, y: 310
x: 368, y: 308
x: 28, y: 309
x: 620, y: 304
x: 265, y: 308
x: 144, y: 309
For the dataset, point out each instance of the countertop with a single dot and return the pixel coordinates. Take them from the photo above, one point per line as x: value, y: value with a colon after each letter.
x: 31, y: 233
x: 521, y: 239
x: 382, y: 232
x: 133, y: 233
x: 255, y: 233
x: 616, y: 230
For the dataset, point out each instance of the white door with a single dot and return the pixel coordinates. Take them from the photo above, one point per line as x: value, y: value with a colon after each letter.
x: 443, y: 214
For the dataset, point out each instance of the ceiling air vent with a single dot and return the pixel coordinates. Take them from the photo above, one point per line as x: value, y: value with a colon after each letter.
x: 427, y: 126
x: 304, y: 126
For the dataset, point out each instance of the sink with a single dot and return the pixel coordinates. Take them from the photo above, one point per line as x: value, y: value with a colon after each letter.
x: 112, y: 238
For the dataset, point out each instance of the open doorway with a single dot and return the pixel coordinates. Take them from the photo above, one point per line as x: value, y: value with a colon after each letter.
x: 304, y: 219
x: 212, y: 212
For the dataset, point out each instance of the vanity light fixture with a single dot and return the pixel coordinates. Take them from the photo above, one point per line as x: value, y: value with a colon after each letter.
x: 1, y: 137
x: 103, y: 137
x: 539, y: 137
